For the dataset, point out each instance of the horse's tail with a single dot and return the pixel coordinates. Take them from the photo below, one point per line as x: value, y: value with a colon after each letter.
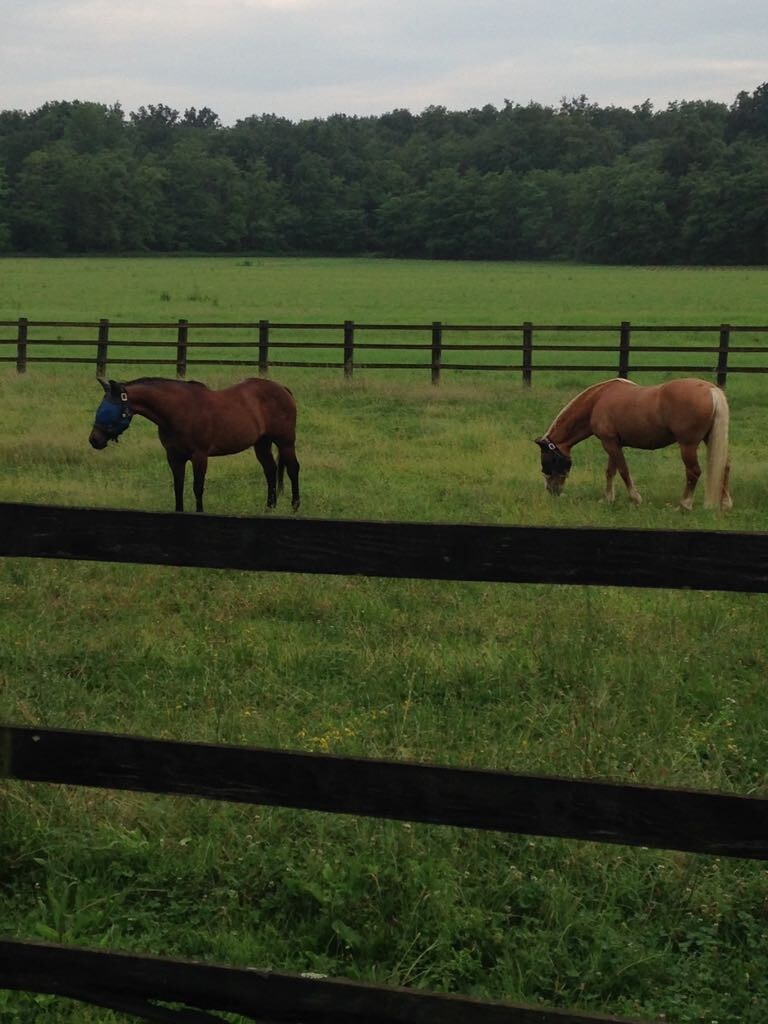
x: 717, y: 450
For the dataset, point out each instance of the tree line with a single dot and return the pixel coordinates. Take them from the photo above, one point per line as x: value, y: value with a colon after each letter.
x: 687, y: 184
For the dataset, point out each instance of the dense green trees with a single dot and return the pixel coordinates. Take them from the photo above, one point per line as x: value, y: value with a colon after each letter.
x: 605, y: 184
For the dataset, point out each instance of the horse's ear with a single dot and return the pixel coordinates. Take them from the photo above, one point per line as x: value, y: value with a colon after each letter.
x: 541, y: 443
x: 104, y: 384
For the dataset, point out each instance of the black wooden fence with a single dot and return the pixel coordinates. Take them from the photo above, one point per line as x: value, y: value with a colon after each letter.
x: 712, y: 823
x: 675, y: 559
x: 136, y: 984
x: 258, y: 341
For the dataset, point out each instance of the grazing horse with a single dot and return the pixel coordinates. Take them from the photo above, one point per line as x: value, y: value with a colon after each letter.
x: 623, y: 414
x: 195, y: 422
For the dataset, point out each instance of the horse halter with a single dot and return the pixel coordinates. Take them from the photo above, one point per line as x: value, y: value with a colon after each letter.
x: 113, y: 416
x: 558, y: 464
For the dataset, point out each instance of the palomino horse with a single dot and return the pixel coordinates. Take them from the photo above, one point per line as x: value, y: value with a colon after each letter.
x: 623, y: 414
x: 195, y: 422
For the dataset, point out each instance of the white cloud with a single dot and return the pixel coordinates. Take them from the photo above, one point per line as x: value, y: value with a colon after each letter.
x: 304, y: 58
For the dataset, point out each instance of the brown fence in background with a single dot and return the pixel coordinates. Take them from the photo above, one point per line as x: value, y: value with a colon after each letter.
x: 255, y: 344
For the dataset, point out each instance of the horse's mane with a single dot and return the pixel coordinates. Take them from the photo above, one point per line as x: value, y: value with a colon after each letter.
x: 586, y: 391
x: 169, y: 380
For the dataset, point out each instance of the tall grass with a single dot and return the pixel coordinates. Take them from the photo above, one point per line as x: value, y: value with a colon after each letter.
x: 658, y: 687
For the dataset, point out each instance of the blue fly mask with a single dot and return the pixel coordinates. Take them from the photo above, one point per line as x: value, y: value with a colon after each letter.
x: 113, y: 415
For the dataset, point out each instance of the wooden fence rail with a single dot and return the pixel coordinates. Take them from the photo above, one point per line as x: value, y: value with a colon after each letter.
x: 135, y: 984
x: 632, y: 815
x: 260, y: 342
x: 678, y: 559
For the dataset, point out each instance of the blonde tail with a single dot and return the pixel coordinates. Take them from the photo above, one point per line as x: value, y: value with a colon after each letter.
x: 717, y: 450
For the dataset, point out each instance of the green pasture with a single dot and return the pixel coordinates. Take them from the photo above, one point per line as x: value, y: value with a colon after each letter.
x: 656, y: 687
x: 370, y: 291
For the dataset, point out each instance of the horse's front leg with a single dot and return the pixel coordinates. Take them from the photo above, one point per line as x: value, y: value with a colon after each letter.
x: 178, y: 464
x: 199, y: 467
x: 616, y: 459
x: 690, y: 459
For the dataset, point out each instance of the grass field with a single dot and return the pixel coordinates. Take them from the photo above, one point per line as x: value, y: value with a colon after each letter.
x: 374, y: 289
x: 655, y: 687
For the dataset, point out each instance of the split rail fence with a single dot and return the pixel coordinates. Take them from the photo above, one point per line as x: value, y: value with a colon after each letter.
x: 703, y: 822
x: 259, y: 340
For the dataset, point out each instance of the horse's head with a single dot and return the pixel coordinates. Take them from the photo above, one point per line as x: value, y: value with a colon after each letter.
x: 113, y: 415
x: 555, y: 465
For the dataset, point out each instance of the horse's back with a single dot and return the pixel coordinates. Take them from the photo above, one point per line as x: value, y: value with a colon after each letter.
x: 270, y: 393
x: 688, y: 405
x: 687, y: 391
x: 271, y: 404
x: 257, y: 391
x: 656, y: 415
x: 238, y: 416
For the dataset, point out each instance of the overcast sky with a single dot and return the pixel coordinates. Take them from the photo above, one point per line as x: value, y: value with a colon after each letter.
x: 312, y: 58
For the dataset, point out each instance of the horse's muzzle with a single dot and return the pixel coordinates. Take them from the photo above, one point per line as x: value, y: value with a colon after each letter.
x: 97, y: 439
x: 555, y: 484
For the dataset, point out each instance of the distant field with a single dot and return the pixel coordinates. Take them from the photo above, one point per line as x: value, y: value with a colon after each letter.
x: 234, y: 288
x: 375, y: 291
x: 655, y: 687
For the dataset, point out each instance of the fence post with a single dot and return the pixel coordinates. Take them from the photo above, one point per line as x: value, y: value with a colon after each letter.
x: 624, y: 349
x: 722, y: 355
x: 527, y: 353
x: 349, y: 347
x: 102, y: 348
x: 181, y: 348
x: 263, y: 347
x: 21, y: 345
x: 437, y: 350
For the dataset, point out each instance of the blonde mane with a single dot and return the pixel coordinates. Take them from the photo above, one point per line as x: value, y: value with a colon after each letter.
x: 592, y: 387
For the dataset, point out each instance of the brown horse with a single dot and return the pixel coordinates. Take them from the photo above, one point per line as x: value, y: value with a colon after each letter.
x: 623, y: 414
x: 195, y: 422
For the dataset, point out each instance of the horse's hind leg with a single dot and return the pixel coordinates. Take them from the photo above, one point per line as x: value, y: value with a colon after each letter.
x: 263, y: 449
x: 726, y: 501
x: 690, y: 459
x: 287, y: 457
x: 610, y: 473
